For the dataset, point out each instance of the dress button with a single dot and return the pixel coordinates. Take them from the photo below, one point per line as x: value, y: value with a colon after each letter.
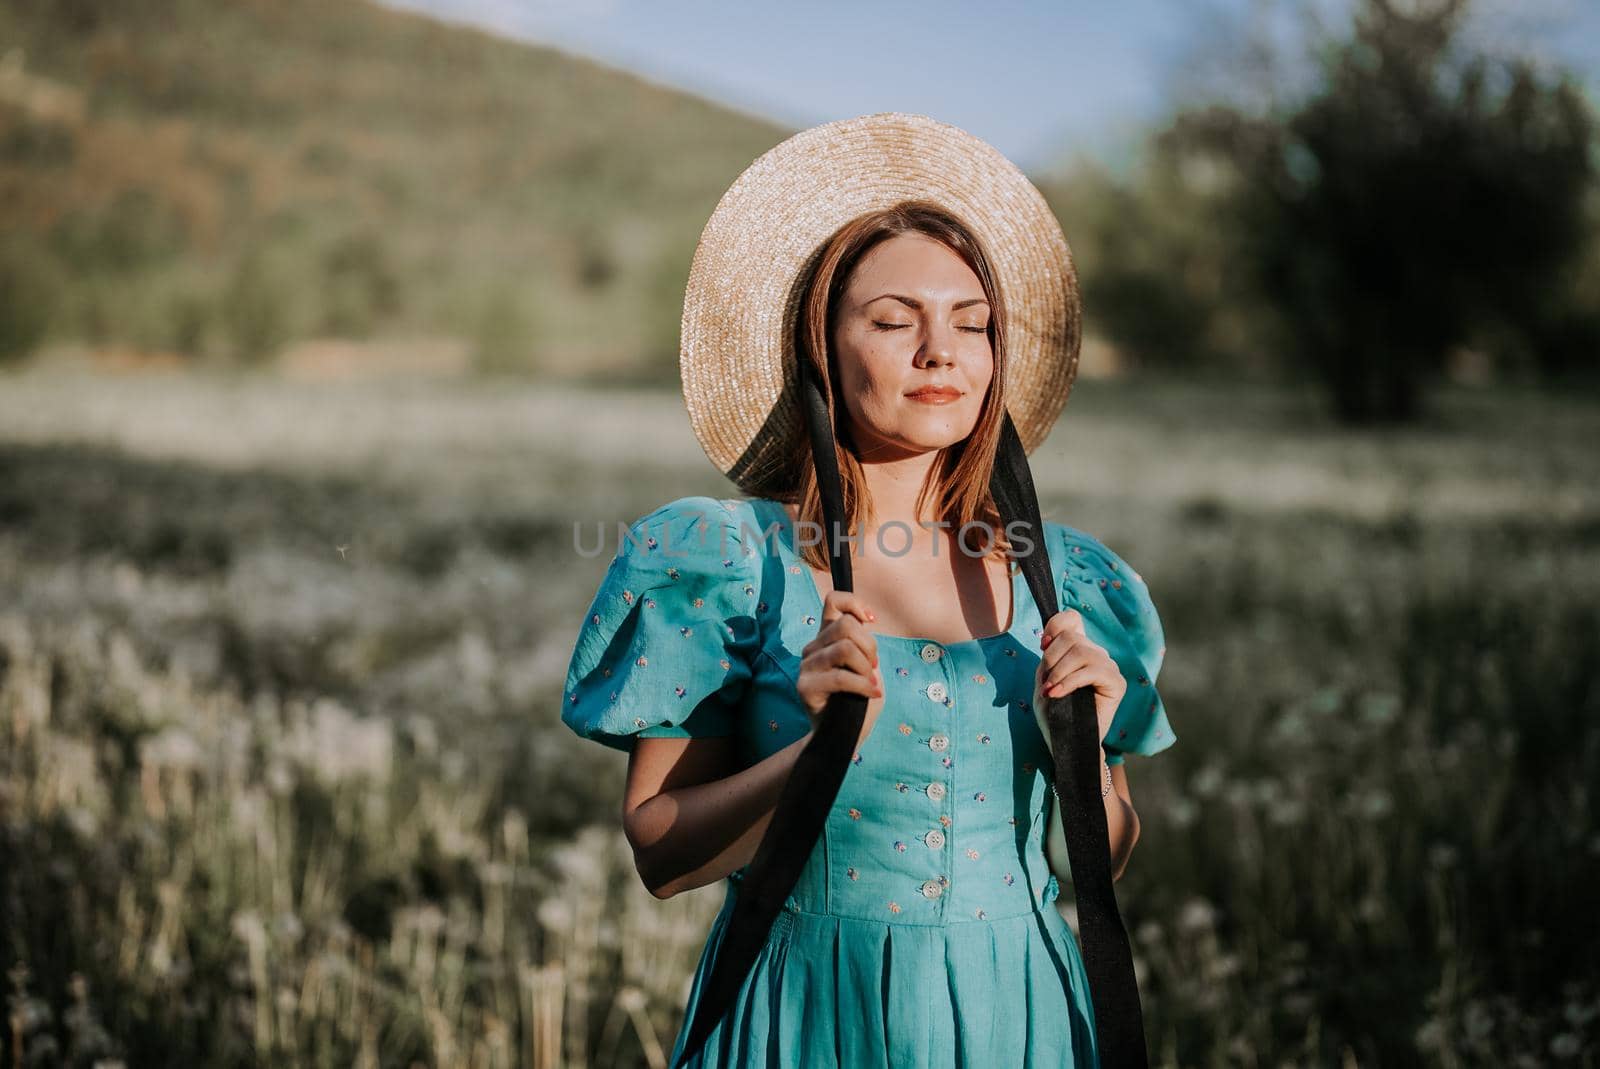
x: 931, y: 653
x: 932, y: 888
x: 934, y: 839
x: 936, y: 691
x: 939, y: 742
x: 936, y: 791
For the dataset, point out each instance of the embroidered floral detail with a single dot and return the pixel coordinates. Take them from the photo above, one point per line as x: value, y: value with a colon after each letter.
x: 980, y: 914
x: 685, y: 631
x: 1027, y: 766
x: 855, y: 814
x: 901, y: 787
x: 900, y: 845
x: 638, y: 722
x: 651, y: 542
x: 948, y: 763
x: 852, y: 873
x: 1012, y: 821
x: 672, y: 573
x: 627, y: 597
x: 980, y: 797
x: 902, y: 671
x: 949, y: 703
x: 772, y: 725
x: 613, y: 697
x: 642, y: 662
x: 1010, y: 879
x: 608, y: 673
x: 761, y: 606
x: 945, y: 880
x: 573, y: 698
x: 1010, y: 652
x: 1116, y: 584
x: 810, y: 619
x: 699, y: 603
x: 894, y: 907
x: 905, y: 729
x: 727, y: 564
x: 679, y: 691
x: 983, y: 737
x: 649, y: 603
x: 595, y: 618
x: 944, y: 818
x: 1144, y: 681
x: 749, y: 590
x: 1102, y: 584
x: 980, y: 678
x: 795, y: 568
x: 1122, y: 733
x: 724, y: 663
x: 856, y: 760
x: 972, y: 854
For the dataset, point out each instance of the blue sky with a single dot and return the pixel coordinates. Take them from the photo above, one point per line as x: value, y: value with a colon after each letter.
x: 1037, y: 80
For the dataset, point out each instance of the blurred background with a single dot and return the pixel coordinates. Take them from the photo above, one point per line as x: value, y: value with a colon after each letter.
x: 323, y: 323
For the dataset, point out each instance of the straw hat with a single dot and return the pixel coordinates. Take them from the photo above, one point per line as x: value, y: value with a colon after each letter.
x: 737, y: 356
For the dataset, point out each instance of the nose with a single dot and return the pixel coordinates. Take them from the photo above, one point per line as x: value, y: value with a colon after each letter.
x: 938, y: 347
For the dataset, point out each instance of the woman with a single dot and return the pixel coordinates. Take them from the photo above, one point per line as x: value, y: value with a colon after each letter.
x: 920, y: 931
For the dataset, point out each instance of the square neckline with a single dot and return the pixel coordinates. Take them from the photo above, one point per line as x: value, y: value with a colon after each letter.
x: 788, y: 544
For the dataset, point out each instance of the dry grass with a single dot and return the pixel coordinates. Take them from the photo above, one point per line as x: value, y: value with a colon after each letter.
x: 283, y: 782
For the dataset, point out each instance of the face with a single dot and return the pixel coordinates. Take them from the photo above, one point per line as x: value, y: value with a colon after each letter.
x: 912, y: 317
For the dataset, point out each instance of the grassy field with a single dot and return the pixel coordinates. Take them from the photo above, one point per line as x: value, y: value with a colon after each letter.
x: 283, y: 781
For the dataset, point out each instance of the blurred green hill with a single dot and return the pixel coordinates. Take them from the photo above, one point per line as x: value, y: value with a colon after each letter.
x: 222, y: 179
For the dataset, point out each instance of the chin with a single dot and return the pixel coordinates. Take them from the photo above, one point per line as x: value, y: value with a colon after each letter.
x: 935, y: 433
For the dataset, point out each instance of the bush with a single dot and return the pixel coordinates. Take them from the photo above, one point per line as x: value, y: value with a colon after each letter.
x: 30, y: 289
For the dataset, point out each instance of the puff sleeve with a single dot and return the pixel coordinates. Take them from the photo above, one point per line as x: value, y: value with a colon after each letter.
x: 1098, y: 579
x: 667, y: 644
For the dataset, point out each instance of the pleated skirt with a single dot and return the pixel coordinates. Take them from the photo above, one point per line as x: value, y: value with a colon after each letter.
x: 831, y: 992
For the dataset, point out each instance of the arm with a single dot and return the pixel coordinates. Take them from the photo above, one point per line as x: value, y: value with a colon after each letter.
x: 1122, y: 822
x: 1122, y: 827
x: 691, y: 815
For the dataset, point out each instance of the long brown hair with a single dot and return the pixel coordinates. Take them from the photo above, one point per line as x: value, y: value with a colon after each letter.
x: 959, y: 486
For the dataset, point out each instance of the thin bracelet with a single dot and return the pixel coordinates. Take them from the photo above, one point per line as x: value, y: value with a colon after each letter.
x: 1107, y: 788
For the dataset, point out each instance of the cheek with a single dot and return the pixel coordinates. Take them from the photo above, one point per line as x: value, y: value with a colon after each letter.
x: 980, y: 368
x: 875, y: 373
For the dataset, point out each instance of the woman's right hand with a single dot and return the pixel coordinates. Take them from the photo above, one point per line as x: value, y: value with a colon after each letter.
x: 843, y: 657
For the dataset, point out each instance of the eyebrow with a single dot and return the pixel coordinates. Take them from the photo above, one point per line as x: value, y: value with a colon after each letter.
x: 914, y: 303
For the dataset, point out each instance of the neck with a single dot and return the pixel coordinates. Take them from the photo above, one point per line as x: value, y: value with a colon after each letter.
x: 894, y: 486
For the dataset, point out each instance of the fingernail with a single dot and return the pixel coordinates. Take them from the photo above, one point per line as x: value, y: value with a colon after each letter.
x: 871, y: 615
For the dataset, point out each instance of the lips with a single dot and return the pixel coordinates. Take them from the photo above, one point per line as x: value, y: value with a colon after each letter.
x: 934, y: 394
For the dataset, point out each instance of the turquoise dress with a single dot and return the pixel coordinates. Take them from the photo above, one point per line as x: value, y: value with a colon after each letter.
x: 922, y: 931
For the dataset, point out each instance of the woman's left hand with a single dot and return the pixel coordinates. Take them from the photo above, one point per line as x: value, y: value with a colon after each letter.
x: 1070, y: 659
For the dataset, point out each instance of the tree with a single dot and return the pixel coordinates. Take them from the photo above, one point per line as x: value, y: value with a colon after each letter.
x: 1407, y: 205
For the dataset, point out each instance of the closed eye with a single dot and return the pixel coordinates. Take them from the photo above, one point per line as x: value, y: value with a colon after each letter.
x: 899, y: 326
